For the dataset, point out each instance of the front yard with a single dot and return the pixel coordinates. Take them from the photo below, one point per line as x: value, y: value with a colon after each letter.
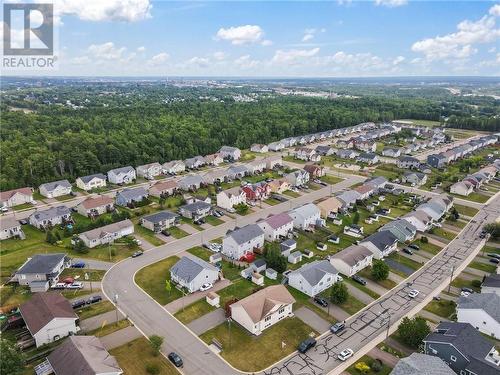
x: 95, y: 309
x: 443, y: 308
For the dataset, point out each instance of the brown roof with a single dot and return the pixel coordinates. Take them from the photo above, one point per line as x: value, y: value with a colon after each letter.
x: 364, y: 189
x: 278, y: 220
x: 100, y: 201
x: 4, y: 195
x: 42, y: 308
x: 167, y: 185
x: 311, y: 168
x: 261, y: 303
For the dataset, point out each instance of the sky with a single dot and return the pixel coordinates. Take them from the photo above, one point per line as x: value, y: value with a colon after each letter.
x: 278, y: 38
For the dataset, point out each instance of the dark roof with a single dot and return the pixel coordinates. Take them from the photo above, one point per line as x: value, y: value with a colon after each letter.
x: 492, y: 281
x: 132, y: 193
x: 196, y: 206
x: 245, y: 234
x: 488, y: 302
x: 160, y: 216
x: 381, y: 239
x: 89, y: 178
x: 43, y: 307
x: 51, y: 213
x: 41, y: 263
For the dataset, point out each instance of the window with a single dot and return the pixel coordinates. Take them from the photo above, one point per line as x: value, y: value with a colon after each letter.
x: 268, y: 318
x: 453, y: 358
x: 281, y: 311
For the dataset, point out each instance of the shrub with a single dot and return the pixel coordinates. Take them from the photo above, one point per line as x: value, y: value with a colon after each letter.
x: 424, y: 239
x: 152, y: 368
x: 362, y: 367
x: 339, y: 293
x: 376, y: 365
x: 476, y: 283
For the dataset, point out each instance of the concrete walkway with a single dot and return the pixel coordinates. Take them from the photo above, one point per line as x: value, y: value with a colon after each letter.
x: 207, y: 321
x: 312, y: 319
x: 99, y: 320
x: 121, y: 337
x: 188, y: 228
x: 386, y: 358
x: 145, y: 245
x: 359, y: 294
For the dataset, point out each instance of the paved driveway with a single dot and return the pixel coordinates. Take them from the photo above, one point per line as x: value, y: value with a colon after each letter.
x: 207, y: 321
x: 120, y: 337
x: 359, y: 294
x: 100, y: 320
x: 312, y: 319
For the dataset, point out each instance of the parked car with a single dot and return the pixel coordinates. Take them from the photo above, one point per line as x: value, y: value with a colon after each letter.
x: 321, y: 246
x: 137, y: 253
x: 138, y: 242
x: 468, y: 290
x: 493, y: 255
x: 337, y: 327
x: 413, y: 246
x: 464, y: 294
x: 59, y: 286
x: 77, y: 304
x: 321, y: 301
x: 175, y: 359
x: 495, y: 260
x: 345, y: 354
x: 94, y: 299
x: 408, y: 251
x: 413, y: 293
x: 23, y: 221
x: 166, y: 233
x: 307, y: 344
x: 436, y: 298
x: 206, y: 286
x: 75, y: 285
x: 358, y: 279
x: 78, y: 265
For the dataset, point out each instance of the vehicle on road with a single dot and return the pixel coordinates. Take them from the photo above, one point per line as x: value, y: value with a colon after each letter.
x: 493, y: 255
x: 345, y: 354
x: 413, y: 293
x: 408, y: 251
x: 307, y: 344
x: 468, y: 290
x: 75, y: 285
x: 321, y: 301
x: 206, y: 286
x: 358, y: 279
x: 78, y: 265
x: 175, y: 359
x: 337, y: 327
x: 464, y: 294
x: 137, y: 254
x: 494, y: 260
x: 94, y: 299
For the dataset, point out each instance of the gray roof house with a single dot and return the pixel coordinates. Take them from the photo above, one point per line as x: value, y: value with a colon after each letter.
x: 313, y: 278
x: 92, y: 181
x: 130, y: 196
x: 348, y: 198
x: 195, y: 210
x: 287, y: 246
x: 55, y: 189
x: 407, y: 162
x: 196, y: 162
x: 381, y: 243
x: 228, y: 152
x: 482, y: 311
x: 402, y: 229
x: 491, y: 284
x: 237, y: 171
x: 191, y: 272
x: 107, y: 234
x: 306, y: 216
x: 159, y: 221
x: 41, y: 270
x: 242, y: 241
x: 421, y: 364
x: 352, y: 259
x: 124, y: 175
x: 190, y: 182
x: 50, y: 217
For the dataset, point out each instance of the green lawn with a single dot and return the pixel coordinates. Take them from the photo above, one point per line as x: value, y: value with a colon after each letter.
x: 95, y: 309
x: 230, y: 271
x: 490, y: 268
x: 490, y: 249
x: 443, y: 308
x: 363, y: 288
x: 272, y: 201
x: 66, y: 197
x: 152, y: 279
x: 291, y: 193
x: 24, y: 206
x: 250, y: 353
x: 187, y: 221
x: 239, y: 289
x: 200, y: 252
x: 458, y: 224
x: 386, y: 370
x: 79, y: 274
x: 194, y: 311
x: 332, y: 180
x: 462, y: 283
x: 212, y: 220
x: 406, y: 261
x: 147, y: 235
x: 474, y: 197
x: 109, y: 328
x: 12, y: 295
x: 367, y: 274
x: 352, y: 305
x: 177, y: 232
x: 428, y: 247
x: 443, y: 233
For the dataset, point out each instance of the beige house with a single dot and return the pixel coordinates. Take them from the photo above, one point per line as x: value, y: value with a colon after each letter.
x: 149, y: 171
x: 96, y: 206
x: 214, y: 159
x: 16, y: 197
x: 352, y: 260
x: 329, y: 206
x: 279, y: 186
x: 90, y: 182
x: 107, y: 233
x: 163, y: 188
x: 262, y: 309
x: 228, y: 198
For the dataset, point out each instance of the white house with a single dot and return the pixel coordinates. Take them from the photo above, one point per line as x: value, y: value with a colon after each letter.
x: 16, y: 197
x: 226, y: 199
x: 91, y: 182
x: 95, y: 206
x: 313, y: 278
x: 191, y: 272
x: 41, y: 271
x: 55, y: 189
x: 482, y: 311
x: 262, y: 309
x: 124, y: 175
x: 10, y: 227
x: 273, y: 161
x: 243, y: 241
x: 463, y: 188
x: 419, y: 219
x: 50, y: 217
x: 173, y: 167
x: 149, y: 171
x: 107, y: 233
x: 276, y: 226
x: 381, y: 244
x: 228, y: 152
x: 259, y: 148
x: 306, y: 216
x: 352, y: 259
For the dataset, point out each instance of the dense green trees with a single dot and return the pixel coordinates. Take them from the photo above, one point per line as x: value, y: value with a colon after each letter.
x: 12, y: 359
x: 380, y: 270
x: 339, y: 293
x: 413, y: 331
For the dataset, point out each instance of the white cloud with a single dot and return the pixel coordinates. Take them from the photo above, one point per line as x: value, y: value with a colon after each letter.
x: 106, y: 51
x: 239, y: 35
x: 105, y: 10
x: 310, y: 33
x: 141, y: 49
x: 307, y: 37
x: 267, y: 42
x: 391, y: 3
x: 219, y: 55
x: 202, y: 62
x: 82, y: 60
x: 159, y: 59
x: 460, y: 44
x: 292, y: 56
x: 398, y: 60
x: 495, y: 10
x: 246, y: 62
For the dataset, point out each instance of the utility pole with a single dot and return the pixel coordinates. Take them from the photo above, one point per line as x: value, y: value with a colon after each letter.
x: 116, y: 310
x: 229, y: 323
x: 451, y: 278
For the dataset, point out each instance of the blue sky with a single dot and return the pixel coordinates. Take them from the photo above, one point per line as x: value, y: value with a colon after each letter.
x: 282, y: 38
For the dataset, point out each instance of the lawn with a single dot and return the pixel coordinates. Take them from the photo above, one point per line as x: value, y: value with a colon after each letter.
x: 177, y: 232
x: 462, y: 283
x: 134, y: 356
x: 24, y: 206
x: 147, y: 235
x: 406, y: 261
x: 291, y: 193
x: 239, y: 289
x: 187, y: 221
x: 249, y: 353
x: 367, y: 274
x: 443, y: 308
x: 194, y: 311
x: 457, y: 224
x: 109, y: 328
x: 214, y: 221
x: 66, y: 197
x: 70, y: 294
x: 428, y: 247
x: 363, y: 288
x: 352, y: 305
x: 386, y: 370
x: 79, y: 273
x: 474, y: 197
x: 444, y: 234
x: 272, y: 201
x: 13, y: 295
x: 230, y: 271
x: 466, y: 210
x: 332, y: 180
x: 200, y: 252
x: 490, y: 268
x: 490, y: 249
x: 94, y: 309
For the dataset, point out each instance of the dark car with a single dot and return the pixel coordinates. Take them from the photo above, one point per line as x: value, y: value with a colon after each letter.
x: 77, y: 304
x: 78, y: 265
x: 495, y: 260
x: 94, y: 299
x: 165, y: 233
x: 414, y: 247
x: 337, y: 327
x: 493, y: 255
x: 408, y: 251
x: 175, y: 359
x: 307, y: 344
x: 23, y: 221
x: 137, y: 254
x: 359, y: 279
x: 321, y: 301
x: 468, y: 290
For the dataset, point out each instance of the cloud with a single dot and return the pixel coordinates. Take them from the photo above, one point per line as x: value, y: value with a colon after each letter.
x: 460, y: 44
x: 246, y: 62
x: 398, y: 60
x: 292, y: 56
x: 310, y: 33
x: 82, y: 60
x: 202, y: 62
x: 391, y: 3
x: 495, y: 10
x: 159, y: 59
x: 141, y: 49
x: 239, y: 35
x: 219, y: 55
x: 267, y: 42
x: 106, y: 51
x: 105, y: 10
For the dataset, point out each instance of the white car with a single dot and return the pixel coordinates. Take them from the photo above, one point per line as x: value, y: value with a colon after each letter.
x: 5, y: 209
x: 413, y: 293
x: 59, y: 286
x: 205, y: 287
x: 340, y: 279
x: 438, y: 225
x: 75, y: 285
x: 138, y: 242
x: 345, y: 354
x: 464, y: 294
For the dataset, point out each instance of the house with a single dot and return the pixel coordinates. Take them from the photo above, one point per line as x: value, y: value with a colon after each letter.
x: 366, y: 146
x: 164, y: 188
x: 173, y: 167
x: 259, y: 148
x: 287, y: 246
x: 229, y: 198
x: 273, y: 162
x: 272, y: 274
x: 50, y: 217
x: 276, y: 226
x: 324, y: 150
x: 463, y: 188
x: 256, y: 166
x: 491, y: 284
x: 297, y: 178
x: 368, y: 158
x: 329, y: 206
x: 128, y: 197
x: 215, y: 176
x: 421, y: 364
x: 402, y: 229
x: 351, y: 260
x: 82, y: 355
x: 107, y: 234
x: 391, y: 152
x: 159, y: 221
x: 16, y: 197
x: 239, y: 243
x: 262, y: 309
x: 436, y: 207
x: 124, y: 175
x: 191, y: 272
x: 307, y: 154
x: 10, y: 227
x: 231, y: 153
x: 258, y: 191
x: 95, y: 206
x: 237, y: 171
x: 381, y: 243
x: 437, y: 160
x: 347, y: 153
x: 214, y: 159
x: 306, y: 216
x: 49, y: 317
x: 377, y: 182
x: 348, y: 198
x: 149, y: 171
x: 195, y: 210
x: 276, y: 146
x: 195, y: 163
x: 463, y: 348
x: 190, y: 183
x: 315, y: 171
x: 407, y: 162
x: 419, y: 219
x: 313, y: 278
x: 279, y: 186
x: 91, y: 182
x: 414, y: 178
x: 55, y: 189
x: 482, y: 311
x: 364, y: 191
x: 41, y: 271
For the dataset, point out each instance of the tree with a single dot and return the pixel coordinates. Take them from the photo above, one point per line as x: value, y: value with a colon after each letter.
x: 493, y: 229
x: 413, y: 331
x: 156, y: 342
x: 49, y: 237
x: 380, y: 270
x: 274, y: 258
x: 168, y: 286
x: 79, y: 246
x: 424, y: 239
x: 12, y: 359
x: 339, y: 293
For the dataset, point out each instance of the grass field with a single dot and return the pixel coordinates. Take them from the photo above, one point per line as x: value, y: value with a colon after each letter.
x: 490, y: 268
x: 367, y: 274
x: 462, y: 283
x: 95, y: 309
x: 406, y: 261
x: 200, y: 252
x: 194, y: 311
x: 329, y: 179
x: 363, y: 288
x: 386, y: 370
x: 147, y: 235
x: 178, y: 232
x: 109, y: 328
x: 465, y: 210
x: 79, y: 274
x: 443, y: 308
x: 428, y: 247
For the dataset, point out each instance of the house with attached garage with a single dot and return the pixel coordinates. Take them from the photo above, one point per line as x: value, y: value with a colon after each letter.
x: 256, y: 192
x: 10, y: 227
x: 237, y: 172
x: 463, y: 188
x: 420, y: 220
x: 421, y: 364
x: 124, y: 175
x: 287, y: 246
x: 262, y: 309
x: 324, y: 150
x: 491, y: 284
x: 163, y: 188
x: 347, y: 154
x: 329, y: 206
x: 173, y: 167
x: 437, y: 160
x: 306, y: 217
x: 279, y: 186
x: 463, y: 348
x: 365, y: 191
x: 381, y: 243
x: 149, y: 171
x: 414, y: 178
x: 107, y: 234
x: 159, y: 221
x: 12, y: 198
x: 277, y: 226
x: 297, y: 178
x: 348, y: 198
x: 402, y: 229
x: 241, y: 242
x: 352, y: 259
x: 229, y: 198
x: 55, y: 189
x: 190, y: 183
x: 128, y: 197
x: 95, y: 206
x: 437, y: 206
x: 93, y: 181
x: 368, y: 158
x: 259, y: 148
x: 407, y: 162
x: 195, y: 163
x: 49, y: 317
x: 196, y: 210
x: 50, y: 217
x: 366, y: 146
x: 377, y: 183
x: 214, y: 159
x: 313, y: 278
x: 215, y: 176
x: 41, y: 271
x: 391, y: 152
x: 273, y: 162
x: 256, y: 166
x: 315, y: 171
x: 307, y: 154
x: 482, y: 311
x: 191, y: 272
x: 276, y: 146
x: 231, y: 153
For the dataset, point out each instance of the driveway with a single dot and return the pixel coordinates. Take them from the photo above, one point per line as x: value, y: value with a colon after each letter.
x: 100, y: 320
x: 145, y: 245
x: 207, y: 321
x: 94, y: 264
x: 120, y: 337
x: 375, y: 287
x: 188, y: 228
x: 312, y: 319
x: 359, y: 294
x: 386, y: 358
